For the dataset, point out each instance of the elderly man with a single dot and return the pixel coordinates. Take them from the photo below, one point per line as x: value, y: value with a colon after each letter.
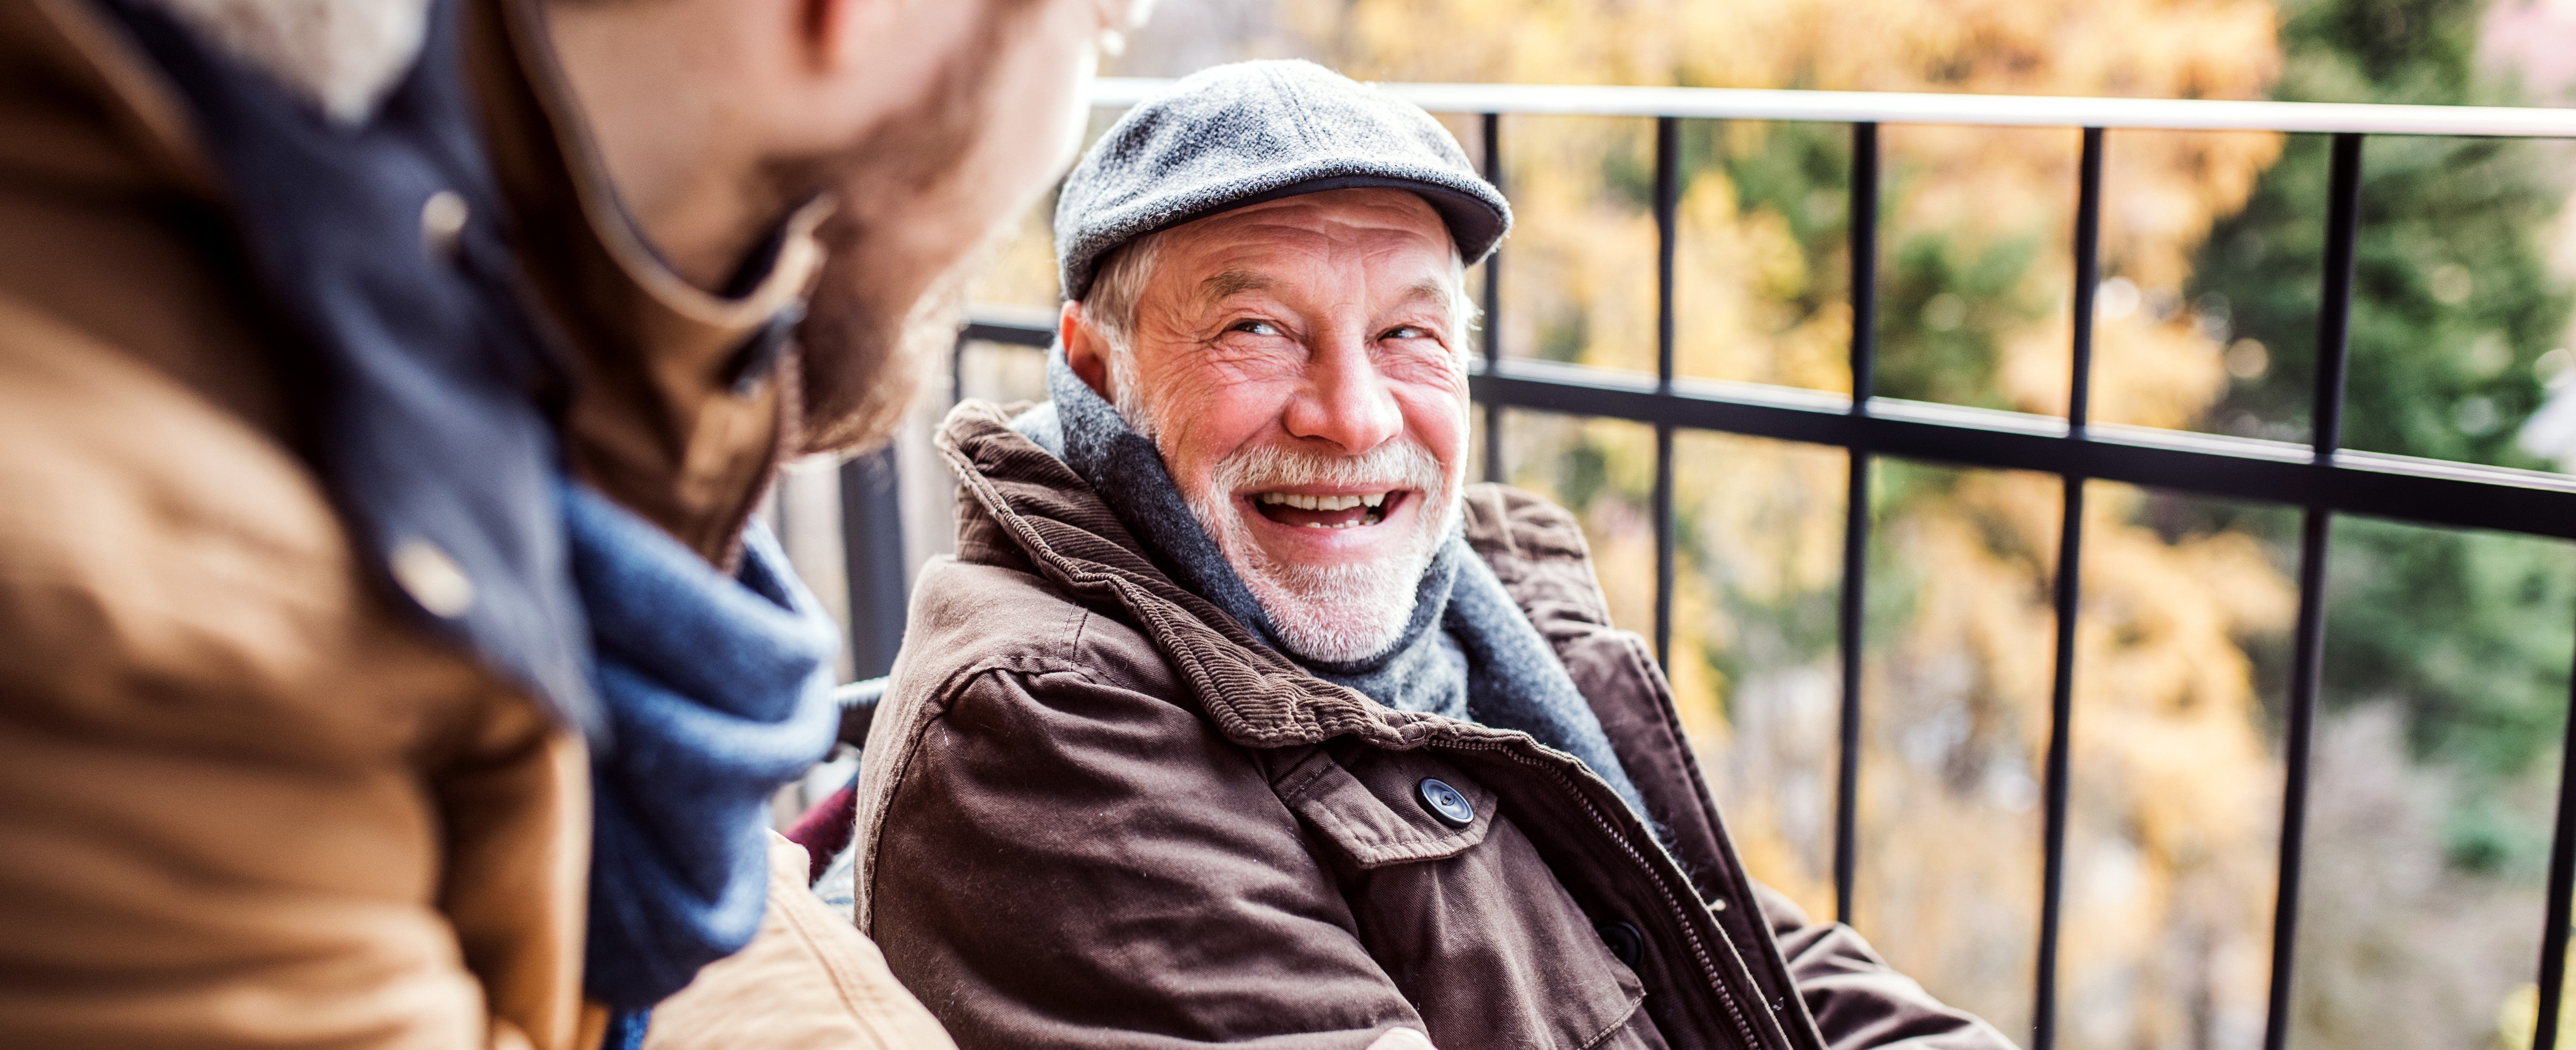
x: 386, y: 659
x: 1240, y: 718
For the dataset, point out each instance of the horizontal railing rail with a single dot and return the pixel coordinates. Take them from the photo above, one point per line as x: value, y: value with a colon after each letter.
x: 2318, y: 476
x: 1889, y: 107
x: 2405, y: 488
x: 2428, y: 491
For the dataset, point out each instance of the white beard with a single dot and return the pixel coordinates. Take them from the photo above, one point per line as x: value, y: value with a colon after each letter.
x: 1330, y: 613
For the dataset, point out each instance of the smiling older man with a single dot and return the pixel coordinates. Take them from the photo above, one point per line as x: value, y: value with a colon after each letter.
x: 1240, y: 718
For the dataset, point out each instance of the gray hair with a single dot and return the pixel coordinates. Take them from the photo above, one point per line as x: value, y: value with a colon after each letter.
x: 1110, y: 309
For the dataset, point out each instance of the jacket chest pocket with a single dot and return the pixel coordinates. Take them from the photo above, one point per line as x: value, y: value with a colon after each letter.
x: 1457, y: 906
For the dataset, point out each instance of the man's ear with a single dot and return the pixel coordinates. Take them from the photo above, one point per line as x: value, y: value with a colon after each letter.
x: 1085, y: 350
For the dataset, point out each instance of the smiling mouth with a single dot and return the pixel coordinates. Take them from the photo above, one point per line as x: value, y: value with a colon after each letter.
x: 1351, y: 511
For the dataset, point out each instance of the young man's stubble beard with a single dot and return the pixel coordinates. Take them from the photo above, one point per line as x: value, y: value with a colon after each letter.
x: 866, y: 332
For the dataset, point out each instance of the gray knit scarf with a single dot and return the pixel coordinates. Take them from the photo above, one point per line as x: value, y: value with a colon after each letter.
x: 1468, y: 652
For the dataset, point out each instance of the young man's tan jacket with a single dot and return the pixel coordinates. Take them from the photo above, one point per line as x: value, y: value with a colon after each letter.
x: 242, y: 802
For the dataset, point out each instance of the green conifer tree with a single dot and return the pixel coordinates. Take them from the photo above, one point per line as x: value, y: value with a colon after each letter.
x: 2454, y: 307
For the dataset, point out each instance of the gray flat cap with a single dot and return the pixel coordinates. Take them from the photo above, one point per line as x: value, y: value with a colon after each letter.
x: 1240, y: 134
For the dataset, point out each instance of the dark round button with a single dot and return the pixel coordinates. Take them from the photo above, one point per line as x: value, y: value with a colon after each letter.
x: 1624, y: 941
x: 1445, y: 802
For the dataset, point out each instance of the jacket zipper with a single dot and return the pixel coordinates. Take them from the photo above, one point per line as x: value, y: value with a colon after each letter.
x: 1699, y: 948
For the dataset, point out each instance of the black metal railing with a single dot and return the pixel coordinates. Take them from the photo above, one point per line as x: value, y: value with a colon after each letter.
x: 2318, y: 477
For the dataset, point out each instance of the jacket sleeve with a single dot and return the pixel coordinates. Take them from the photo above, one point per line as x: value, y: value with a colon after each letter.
x: 242, y: 803
x: 807, y: 981
x: 1858, y: 1000
x: 1065, y: 864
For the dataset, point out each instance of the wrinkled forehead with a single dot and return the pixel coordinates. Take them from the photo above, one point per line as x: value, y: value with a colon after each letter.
x: 1356, y: 244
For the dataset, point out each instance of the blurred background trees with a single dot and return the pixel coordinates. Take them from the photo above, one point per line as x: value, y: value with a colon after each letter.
x: 2448, y: 653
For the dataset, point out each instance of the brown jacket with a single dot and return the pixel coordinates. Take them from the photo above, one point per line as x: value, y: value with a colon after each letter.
x: 1096, y: 814
x: 243, y: 802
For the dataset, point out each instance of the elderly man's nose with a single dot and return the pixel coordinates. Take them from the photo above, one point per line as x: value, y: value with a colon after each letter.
x: 1347, y: 403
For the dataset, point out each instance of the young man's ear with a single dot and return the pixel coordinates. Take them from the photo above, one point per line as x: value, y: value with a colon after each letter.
x: 1085, y: 350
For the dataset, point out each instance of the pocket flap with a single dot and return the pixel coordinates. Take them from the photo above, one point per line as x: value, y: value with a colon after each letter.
x: 1380, y: 820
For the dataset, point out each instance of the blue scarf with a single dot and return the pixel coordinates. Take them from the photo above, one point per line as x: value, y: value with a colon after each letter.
x: 717, y: 689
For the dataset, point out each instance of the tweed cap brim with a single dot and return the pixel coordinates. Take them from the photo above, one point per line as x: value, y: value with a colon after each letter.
x: 1241, y: 134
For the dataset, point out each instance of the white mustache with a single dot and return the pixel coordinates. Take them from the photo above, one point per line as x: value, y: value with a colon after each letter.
x: 1399, y: 464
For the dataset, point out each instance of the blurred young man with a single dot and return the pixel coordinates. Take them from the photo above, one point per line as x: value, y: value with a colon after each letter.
x: 385, y: 388
x: 1241, y: 719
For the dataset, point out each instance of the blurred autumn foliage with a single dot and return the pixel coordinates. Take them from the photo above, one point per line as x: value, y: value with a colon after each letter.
x: 2181, y: 642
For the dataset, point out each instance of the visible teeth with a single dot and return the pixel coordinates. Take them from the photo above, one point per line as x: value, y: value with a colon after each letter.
x: 1305, y: 502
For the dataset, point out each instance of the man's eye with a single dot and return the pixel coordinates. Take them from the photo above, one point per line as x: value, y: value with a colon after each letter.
x: 1255, y: 327
x: 1405, y: 332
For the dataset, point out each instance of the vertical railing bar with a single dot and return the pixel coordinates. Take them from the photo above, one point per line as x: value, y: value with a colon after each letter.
x: 2061, y: 710
x: 872, y: 560
x: 1863, y: 245
x: 2307, y: 662
x: 1664, y: 547
x: 1862, y: 237
x: 1856, y: 515
x: 1667, y: 203
x: 1667, y: 237
x: 2070, y: 574
x: 2088, y: 278
x: 2334, y: 316
x: 2562, y: 872
x: 1493, y: 336
x: 957, y: 370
